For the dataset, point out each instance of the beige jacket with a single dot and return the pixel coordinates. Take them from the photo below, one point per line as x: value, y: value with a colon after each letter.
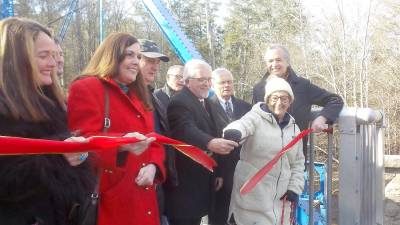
x: 263, y: 139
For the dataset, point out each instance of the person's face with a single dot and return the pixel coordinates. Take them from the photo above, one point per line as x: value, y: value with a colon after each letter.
x: 128, y: 69
x: 278, y: 102
x: 59, y: 57
x: 223, y: 85
x: 276, y: 63
x: 149, y: 68
x: 200, y: 83
x: 175, y: 79
x: 45, y: 61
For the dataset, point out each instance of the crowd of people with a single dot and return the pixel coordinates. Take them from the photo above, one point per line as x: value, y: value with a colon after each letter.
x: 146, y: 183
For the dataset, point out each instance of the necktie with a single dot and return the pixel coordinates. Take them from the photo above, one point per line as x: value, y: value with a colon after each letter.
x: 203, y: 103
x: 228, y: 110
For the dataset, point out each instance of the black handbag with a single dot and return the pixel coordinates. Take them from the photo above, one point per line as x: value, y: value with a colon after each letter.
x: 90, y: 208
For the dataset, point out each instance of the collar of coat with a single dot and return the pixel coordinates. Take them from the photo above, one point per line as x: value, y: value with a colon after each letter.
x: 292, y: 76
x: 257, y: 108
x: 168, y: 90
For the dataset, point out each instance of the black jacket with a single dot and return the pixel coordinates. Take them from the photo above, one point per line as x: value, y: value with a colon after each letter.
x: 226, y: 163
x: 306, y: 94
x: 41, y: 188
x: 191, y: 123
x: 164, y: 94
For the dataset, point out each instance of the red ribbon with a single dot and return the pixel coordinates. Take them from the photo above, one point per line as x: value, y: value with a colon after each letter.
x: 28, y: 146
x: 250, y: 184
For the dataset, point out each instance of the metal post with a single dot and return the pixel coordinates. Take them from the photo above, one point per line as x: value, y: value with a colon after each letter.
x: 329, y: 176
x: 101, y: 32
x: 361, y: 168
x: 311, y: 181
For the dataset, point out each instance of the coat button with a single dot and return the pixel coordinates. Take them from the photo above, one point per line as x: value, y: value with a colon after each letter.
x: 146, y: 188
x: 149, y: 212
x: 138, y: 116
x: 108, y: 171
x: 143, y: 164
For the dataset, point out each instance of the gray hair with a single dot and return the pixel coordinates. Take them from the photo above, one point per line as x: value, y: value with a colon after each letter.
x: 193, y: 64
x: 286, y: 54
x: 219, y: 71
x: 173, y: 68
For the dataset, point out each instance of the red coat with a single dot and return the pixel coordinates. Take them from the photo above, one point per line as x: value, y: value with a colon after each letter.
x: 122, y: 201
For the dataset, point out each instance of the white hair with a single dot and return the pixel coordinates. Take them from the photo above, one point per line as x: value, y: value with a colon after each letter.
x: 217, y: 72
x: 193, y: 64
x: 286, y: 54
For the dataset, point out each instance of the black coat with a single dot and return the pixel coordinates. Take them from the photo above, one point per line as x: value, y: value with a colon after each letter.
x: 306, y: 94
x: 191, y: 123
x: 164, y: 94
x: 40, y: 188
x: 226, y: 163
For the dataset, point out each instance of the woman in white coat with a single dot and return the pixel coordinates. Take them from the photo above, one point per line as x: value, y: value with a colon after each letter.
x: 264, y: 131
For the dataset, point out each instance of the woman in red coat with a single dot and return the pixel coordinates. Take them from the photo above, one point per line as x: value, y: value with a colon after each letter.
x: 127, y: 174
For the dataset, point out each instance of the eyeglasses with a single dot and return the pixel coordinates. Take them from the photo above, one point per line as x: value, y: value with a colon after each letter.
x: 283, y: 98
x: 177, y: 76
x: 225, y: 82
x: 202, y: 79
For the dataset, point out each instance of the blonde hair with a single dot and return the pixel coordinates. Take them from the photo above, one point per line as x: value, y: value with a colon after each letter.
x: 21, y: 94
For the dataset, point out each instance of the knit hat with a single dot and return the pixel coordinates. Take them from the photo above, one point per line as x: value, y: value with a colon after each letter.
x: 274, y: 84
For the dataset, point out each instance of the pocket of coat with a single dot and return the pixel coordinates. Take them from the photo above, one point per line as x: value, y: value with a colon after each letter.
x: 260, y: 197
x: 111, y: 181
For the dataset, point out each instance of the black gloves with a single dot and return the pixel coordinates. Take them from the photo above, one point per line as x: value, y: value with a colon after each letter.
x: 290, y: 196
x: 233, y: 135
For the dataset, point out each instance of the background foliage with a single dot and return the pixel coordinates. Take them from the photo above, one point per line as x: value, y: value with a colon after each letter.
x: 353, y: 51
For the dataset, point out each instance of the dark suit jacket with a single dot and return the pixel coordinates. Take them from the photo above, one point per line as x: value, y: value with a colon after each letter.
x: 226, y: 163
x: 191, y: 123
x: 164, y: 94
x: 306, y: 94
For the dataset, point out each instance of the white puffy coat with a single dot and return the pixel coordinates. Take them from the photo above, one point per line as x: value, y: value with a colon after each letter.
x: 263, y: 139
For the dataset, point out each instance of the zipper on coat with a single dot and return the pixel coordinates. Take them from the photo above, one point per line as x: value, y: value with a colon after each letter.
x: 277, y: 181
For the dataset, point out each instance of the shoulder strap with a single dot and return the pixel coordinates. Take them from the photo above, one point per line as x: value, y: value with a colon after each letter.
x: 107, y: 120
x: 107, y: 123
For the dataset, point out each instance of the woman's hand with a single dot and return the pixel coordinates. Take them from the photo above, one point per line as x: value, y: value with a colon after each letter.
x: 138, y: 147
x: 146, y: 175
x: 76, y: 158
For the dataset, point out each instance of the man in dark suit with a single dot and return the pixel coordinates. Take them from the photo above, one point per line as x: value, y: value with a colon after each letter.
x: 225, y: 108
x: 174, y: 83
x: 191, y: 122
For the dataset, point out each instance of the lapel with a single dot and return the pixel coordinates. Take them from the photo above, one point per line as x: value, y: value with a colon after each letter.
x: 131, y: 98
x: 236, y: 108
x: 198, y: 107
x: 217, y: 110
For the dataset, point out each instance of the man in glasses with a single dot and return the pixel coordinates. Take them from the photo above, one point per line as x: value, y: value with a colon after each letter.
x: 191, y: 121
x: 174, y: 83
x: 225, y: 108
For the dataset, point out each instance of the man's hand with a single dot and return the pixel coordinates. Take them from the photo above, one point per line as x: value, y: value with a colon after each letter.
x: 146, y: 175
x: 138, y: 147
x: 221, y: 146
x: 319, y: 124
